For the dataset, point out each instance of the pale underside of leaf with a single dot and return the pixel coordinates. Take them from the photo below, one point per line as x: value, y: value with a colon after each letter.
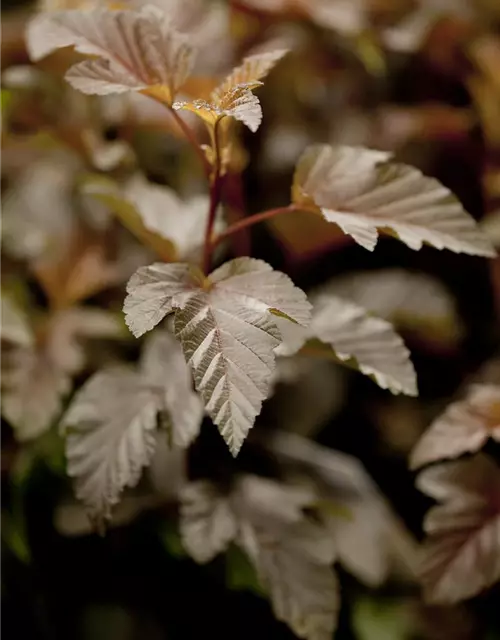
x: 207, y: 523
x: 110, y: 429
x: 134, y: 50
x: 362, y: 191
x: 464, y: 427
x: 372, y: 342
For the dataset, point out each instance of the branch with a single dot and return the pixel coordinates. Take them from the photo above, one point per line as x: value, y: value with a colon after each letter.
x: 251, y: 220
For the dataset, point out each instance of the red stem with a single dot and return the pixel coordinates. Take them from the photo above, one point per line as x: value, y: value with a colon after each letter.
x: 251, y: 220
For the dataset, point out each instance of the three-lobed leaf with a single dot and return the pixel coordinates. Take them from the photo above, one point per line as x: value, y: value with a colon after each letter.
x: 227, y: 329
x: 363, y: 191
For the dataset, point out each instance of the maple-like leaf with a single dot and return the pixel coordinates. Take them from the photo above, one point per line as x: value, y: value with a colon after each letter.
x: 132, y: 51
x: 234, y: 97
x: 364, y: 191
x: 464, y: 427
x: 163, y: 212
x: 228, y: 327
x: 461, y: 555
x: 14, y: 327
x: 112, y: 421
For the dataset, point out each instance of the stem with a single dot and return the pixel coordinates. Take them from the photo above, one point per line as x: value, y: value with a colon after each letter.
x: 251, y: 220
x: 191, y: 138
x: 215, y: 190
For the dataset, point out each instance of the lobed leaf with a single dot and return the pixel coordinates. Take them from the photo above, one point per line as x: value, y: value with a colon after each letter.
x: 225, y: 328
x: 363, y: 191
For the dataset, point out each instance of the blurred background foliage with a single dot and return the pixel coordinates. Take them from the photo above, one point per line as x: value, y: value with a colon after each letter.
x: 421, y: 79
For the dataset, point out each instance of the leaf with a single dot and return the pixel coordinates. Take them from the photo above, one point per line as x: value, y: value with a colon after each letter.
x: 234, y: 97
x: 37, y: 217
x: 372, y: 342
x: 112, y: 424
x: 110, y: 429
x: 225, y: 328
x: 207, y: 522
x: 106, y: 192
x: 164, y: 213
x: 132, y: 50
x: 163, y: 366
x: 371, y: 542
x: 14, y: 327
x: 33, y: 388
x: 408, y: 299
x: 363, y: 191
x: 303, y: 590
x: 464, y: 427
x: 461, y: 556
